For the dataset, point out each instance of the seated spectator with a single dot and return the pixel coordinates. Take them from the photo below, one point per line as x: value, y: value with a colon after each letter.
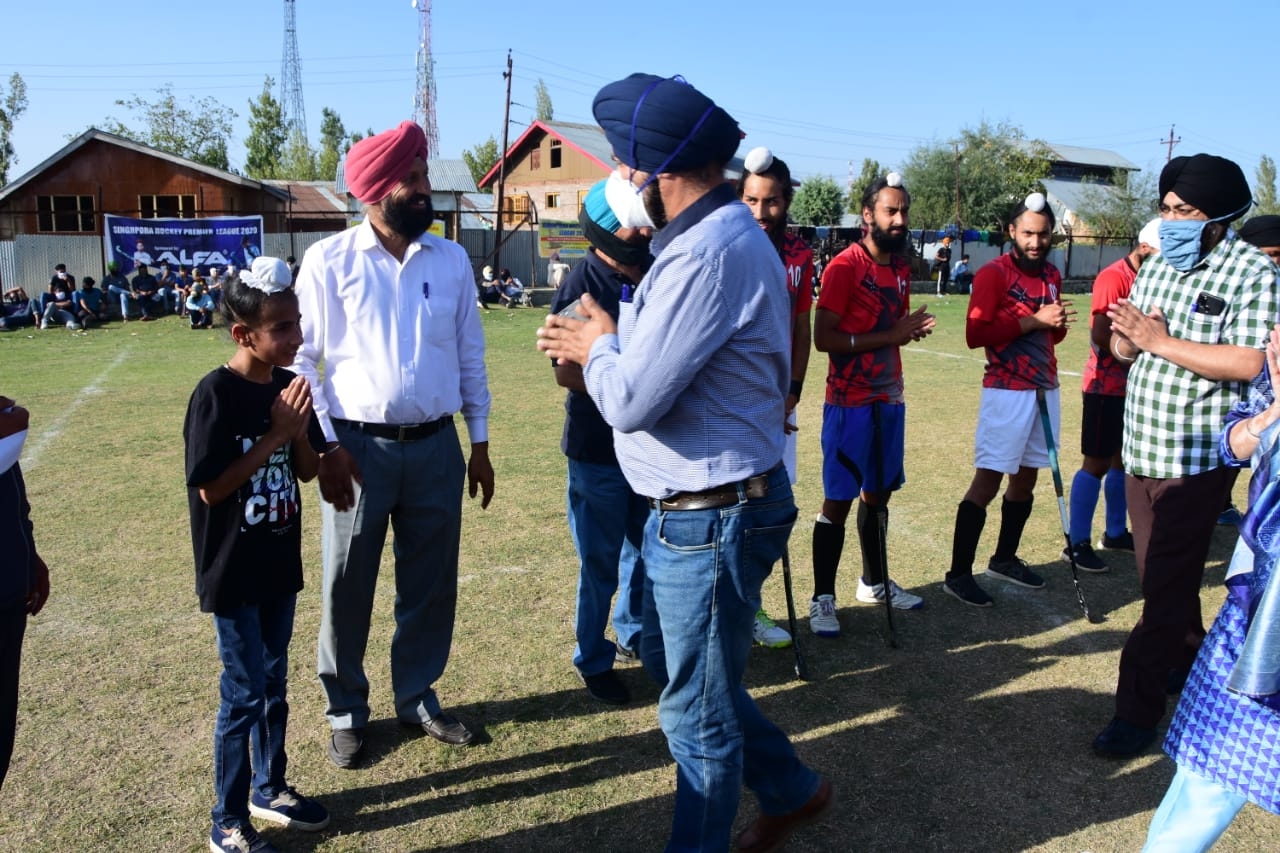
x: 216, y: 279
x: 556, y: 270
x: 512, y: 289
x: 90, y: 305
x: 962, y: 277
x: 146, y: 290
x: 181, y: 290
x: 61, y: 307
x: 200, y: 306
x: 17, y: 310
x: 490, y: 290
x: 57, y: 283
x: 115, y: 285
x: 168, y: 290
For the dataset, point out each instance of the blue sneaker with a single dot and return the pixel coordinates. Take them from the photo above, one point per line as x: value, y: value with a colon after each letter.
x: 239, y: 839
x: 290, y: 809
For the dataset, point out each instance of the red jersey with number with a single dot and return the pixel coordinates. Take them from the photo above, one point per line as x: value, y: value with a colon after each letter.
x: 1103, y: 372
x: 797, y: 257
x: 1002, y: 295
x: 867, y: 297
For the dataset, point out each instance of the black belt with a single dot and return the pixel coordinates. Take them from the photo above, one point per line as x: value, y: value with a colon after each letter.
x: 753, y: 488
x: 405, y: 432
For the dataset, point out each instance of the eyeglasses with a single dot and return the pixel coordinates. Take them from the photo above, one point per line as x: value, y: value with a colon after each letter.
x: 1181, y: 210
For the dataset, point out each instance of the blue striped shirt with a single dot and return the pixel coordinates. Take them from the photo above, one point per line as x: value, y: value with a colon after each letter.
x: 695, y: 381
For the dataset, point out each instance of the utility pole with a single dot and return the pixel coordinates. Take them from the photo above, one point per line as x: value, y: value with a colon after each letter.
x: 1170, y: 142
x: 956, y: 146
x: 502, y: 167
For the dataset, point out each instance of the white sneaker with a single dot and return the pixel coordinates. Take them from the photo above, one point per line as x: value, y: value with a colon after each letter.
x: 902, y: 600
x: 767, y: 633
x: 822, y: 617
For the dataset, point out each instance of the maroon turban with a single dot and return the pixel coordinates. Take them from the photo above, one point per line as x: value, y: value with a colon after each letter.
x: 377, y: 163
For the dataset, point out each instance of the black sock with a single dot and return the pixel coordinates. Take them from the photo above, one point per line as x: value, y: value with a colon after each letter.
x: 869, y: 538
x: 970, y: 519
x: 828, y: 542
x: 1013, y: 517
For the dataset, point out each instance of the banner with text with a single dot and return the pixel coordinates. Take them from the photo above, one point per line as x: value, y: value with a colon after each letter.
x: 192, y: 243
x: 563, y: 237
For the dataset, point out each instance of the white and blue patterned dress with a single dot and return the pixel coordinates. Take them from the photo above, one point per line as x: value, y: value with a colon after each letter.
x: 1231, y: 736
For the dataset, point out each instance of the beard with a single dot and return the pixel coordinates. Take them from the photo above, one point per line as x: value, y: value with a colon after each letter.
x: 654, y: 207
x: 887, y: 241
x: 403, y: 218
x: 1027, y: 263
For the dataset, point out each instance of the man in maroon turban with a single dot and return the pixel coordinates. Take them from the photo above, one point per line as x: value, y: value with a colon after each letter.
x: 391, y: 311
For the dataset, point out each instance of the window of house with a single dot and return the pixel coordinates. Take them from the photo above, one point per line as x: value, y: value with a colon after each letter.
x: 535, y: 159
x: 167, y: 206
x: 553, y: 200
x: 582, y: 197
x: 555, y: 153
x: 64, y: 213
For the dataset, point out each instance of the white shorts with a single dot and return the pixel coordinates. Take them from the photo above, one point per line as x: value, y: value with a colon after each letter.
x: 1010, y: 433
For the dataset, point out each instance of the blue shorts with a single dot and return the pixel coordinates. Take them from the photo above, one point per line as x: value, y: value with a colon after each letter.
x: 849, y: 465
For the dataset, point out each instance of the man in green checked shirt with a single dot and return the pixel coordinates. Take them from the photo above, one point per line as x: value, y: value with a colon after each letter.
x: 1195, y: 327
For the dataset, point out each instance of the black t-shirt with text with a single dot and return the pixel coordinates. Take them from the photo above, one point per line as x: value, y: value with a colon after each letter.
x: 248, y: 547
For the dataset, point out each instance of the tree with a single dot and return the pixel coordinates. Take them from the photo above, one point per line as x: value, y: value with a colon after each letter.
x: 333, y: 144
x: 998, y: 166
x: 544, y: 110
x: 14, y: 105
x: 1264, y: 194
x: 870, y: 171
x: 199, y: 130
x: 298, y: 162
x: 1120, y: 208
x: 481, y: 158
x: 819, y: 201
x: 267, y: 135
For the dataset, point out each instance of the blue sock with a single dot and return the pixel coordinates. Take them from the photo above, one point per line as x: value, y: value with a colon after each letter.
x: 1117, y: 508
x: 1084, y: 500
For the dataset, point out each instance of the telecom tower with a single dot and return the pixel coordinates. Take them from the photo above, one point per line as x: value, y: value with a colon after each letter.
x: 295, y: 115
x: 424, y: 99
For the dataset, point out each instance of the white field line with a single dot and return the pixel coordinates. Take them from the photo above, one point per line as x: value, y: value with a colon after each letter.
x: 969, y: 358
x: 34, y: 450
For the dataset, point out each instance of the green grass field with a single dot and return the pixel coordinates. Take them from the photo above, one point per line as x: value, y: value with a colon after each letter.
x: 973, y: 736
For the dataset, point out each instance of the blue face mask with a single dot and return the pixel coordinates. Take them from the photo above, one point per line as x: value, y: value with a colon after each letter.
x: 1180, y: 242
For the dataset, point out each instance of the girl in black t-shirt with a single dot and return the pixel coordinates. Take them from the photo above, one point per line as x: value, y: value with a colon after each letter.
x: 251, y: 436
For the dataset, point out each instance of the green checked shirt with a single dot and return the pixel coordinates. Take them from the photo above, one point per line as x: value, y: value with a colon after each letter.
x: 1172, y: 417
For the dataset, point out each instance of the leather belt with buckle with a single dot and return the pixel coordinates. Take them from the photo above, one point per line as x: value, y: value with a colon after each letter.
x: 714, y: 498
x: 395, y: 432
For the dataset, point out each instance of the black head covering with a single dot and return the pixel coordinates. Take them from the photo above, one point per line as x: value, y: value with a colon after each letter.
x: 1261, y: 231
x: 663, y: 124
x: 1215, y: 185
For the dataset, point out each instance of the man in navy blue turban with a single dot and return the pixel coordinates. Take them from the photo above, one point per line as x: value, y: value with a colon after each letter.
x: 693, y: 379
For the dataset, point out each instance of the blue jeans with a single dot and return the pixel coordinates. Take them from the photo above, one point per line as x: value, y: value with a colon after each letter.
x: 703, y: 571
x: 606, y: 521
x: 253, y: 643
x: 1192, y: 816
x: 416, y: 487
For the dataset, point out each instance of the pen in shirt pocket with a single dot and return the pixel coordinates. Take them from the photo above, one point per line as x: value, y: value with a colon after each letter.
x: 426, y: 290
x: 626, y: 293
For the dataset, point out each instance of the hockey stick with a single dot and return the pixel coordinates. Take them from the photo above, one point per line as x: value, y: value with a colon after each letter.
x: 882, y: 519
x: 802, y: 670
x: 1062, y: 504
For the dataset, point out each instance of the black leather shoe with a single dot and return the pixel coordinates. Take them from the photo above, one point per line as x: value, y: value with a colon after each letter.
x: 345, y: 746
x: 606, y: 687
x: 1123, y: 739
x: 446, y: 729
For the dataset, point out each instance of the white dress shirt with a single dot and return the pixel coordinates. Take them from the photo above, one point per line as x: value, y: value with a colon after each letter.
x: 401, y: 343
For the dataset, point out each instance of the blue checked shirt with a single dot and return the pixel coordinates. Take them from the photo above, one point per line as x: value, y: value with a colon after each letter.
x: 1173, y: 417
x: 694, y: 384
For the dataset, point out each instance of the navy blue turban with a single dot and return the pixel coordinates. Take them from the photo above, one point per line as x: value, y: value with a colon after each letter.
x: 1214, y: 185
x: 662, y: 124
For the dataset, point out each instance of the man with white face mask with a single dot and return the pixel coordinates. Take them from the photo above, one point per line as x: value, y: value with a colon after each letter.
x: 693, y: 379
x: 1194, y: 328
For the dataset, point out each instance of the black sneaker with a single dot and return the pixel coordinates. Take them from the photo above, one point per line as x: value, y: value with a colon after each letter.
x: 606, y: 687
x: 1014, y: 571
x: 965, y: 588
x: 1123, y: 542
x: 1085, y: 559
x: 290, y: 809
x: 239, y: 839
x: 1122, y: 739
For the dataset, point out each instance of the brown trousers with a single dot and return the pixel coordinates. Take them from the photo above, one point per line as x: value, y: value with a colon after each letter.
x: 1173, y: 523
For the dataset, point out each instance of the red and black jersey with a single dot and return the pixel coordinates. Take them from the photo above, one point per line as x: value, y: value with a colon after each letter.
x: 1103, y: 372
x: 797, y: 257
x: 868, y: 297
x: 1002, y: 295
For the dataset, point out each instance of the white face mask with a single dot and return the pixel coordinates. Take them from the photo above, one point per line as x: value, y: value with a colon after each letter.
x: 626, y: 202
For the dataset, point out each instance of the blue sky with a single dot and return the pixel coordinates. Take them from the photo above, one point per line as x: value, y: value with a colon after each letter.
x: 823, y: 82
